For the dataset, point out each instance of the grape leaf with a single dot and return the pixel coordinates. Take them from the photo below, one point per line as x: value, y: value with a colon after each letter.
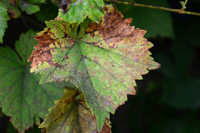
x: 3, y: 21
x: 71, y: 115
x: 78, y: 10
x: 29, y: 8
x: 21, y: 97
x: 104, y: 62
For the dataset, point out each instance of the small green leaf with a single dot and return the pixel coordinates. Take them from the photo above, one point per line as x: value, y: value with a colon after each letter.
x: 79, y: 10
x: 3, y: 21
x: 29, y: 8
x: 21, y: 96
x: 183, y: 4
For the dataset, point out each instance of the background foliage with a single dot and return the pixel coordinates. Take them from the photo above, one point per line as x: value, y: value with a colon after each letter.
x: 168, y: 99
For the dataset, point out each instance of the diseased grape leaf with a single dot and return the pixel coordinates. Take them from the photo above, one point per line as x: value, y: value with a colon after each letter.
x: 103, y: 63
x: 71, y: 115
x: 3, y: 21
x: 21, y: 96
x: 78, y: 10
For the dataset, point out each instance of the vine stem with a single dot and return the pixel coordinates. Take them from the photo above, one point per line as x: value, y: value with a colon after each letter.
x: 180, y: 11
x: 24, y: 17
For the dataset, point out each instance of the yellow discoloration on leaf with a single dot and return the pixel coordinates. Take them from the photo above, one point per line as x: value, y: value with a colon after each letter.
x: 41, y: 66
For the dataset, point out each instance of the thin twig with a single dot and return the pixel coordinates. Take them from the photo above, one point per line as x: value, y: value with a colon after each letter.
x: 180, y: 11
x: 28, y: 27
x: 32, y: 21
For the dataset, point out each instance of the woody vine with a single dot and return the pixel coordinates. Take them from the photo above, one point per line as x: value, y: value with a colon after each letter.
x: 90, y: 50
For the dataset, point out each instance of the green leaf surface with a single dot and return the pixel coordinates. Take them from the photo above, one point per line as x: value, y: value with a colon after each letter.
x: 29, y: 8
x: 3, y: 21
x: 70, y: 115
x: 103, y: 63
x: 79, y: 10
x: 156, y: 22
x: 21, y: 96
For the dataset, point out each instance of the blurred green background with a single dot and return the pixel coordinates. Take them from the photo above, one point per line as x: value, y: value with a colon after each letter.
x: 167, y: 99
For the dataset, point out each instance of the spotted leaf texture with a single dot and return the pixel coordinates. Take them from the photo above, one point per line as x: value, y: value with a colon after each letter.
x: 3, y: 21
x: 78, y: 10
x: 21, y: 96
x: 103, y: 63
x: 71, y: 115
